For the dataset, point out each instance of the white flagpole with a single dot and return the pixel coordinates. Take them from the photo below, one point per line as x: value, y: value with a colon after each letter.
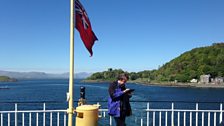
x: 71, y: 75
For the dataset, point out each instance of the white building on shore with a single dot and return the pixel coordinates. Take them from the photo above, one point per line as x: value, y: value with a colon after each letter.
x: 205, y: 79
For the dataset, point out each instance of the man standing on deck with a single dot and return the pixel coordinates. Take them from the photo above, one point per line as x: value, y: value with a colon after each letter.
x: 118, y: 102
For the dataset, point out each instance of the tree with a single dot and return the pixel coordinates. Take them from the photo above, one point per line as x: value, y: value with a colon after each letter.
x: 133, y: 76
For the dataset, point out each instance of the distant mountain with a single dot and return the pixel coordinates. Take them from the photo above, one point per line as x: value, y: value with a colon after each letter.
x: 41, y: 75
x: 82, y: 75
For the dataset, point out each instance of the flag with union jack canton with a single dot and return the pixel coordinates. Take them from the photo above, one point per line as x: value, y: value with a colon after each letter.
x: 83, y: 25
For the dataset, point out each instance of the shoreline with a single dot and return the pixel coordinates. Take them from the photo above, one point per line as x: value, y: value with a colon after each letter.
x: 165, y: 84
x: 190, y: 85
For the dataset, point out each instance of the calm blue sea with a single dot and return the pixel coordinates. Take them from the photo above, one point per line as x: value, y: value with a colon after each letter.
x: 53, y: 91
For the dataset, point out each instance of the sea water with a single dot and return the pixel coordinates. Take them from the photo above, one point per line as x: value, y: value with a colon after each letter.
x: 30, y: 94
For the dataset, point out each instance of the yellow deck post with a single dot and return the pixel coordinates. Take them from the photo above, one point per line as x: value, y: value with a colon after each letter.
x: 71, y: 73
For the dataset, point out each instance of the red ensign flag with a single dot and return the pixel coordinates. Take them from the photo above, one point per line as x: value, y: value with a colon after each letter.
x: 84, y: 27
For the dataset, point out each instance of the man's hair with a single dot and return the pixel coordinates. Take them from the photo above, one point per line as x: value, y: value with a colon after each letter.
x: 123, y: 76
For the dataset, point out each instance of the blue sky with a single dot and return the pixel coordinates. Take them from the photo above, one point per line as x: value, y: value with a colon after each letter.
x: 133, y: 35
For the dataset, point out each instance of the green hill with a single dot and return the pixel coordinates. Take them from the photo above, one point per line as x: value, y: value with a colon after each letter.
x: 109, y: 75
x: 6, y: 79
x: 189, y: 65
x: 192, y: 64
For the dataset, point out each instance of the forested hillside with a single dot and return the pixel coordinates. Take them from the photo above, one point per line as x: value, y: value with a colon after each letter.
x: 192, y: 64
x: 189, y: 65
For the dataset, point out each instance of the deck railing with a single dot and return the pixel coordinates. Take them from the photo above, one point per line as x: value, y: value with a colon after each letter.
x: 184, y: 117
x: 150, y: 116
x: 30, y: 117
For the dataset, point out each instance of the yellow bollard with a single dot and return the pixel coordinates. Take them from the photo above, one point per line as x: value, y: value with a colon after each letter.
x: 87, y: 115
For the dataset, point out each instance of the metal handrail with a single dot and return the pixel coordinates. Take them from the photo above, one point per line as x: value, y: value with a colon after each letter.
x: 151, y: 101
x: 152, y: 116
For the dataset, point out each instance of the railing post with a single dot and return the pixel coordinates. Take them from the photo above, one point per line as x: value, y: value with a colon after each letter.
x: 15, y: 114
x: 202, y: 119
x: 196, y: 123
x: 23, y: 119
x: 147, y: 122
x: 190, y: 118
x: 58, y: 119
x: 44, y: 108
x: 104, y: 114
x: 154, y: 118
x: 166, y: 119
x: 37, y: 119
x: 208, y: 118
x: 160, y: 118
x: 64, y: 119
x: 30, y: 119
x: 215, y: 119
x: 185, y: 118
x: 110, y: 120
x: 178, y: 118
x: 141, y: 121
x: 8, y: 119
x: 51, y: 119
x: 172, y: 115
x: 220, y: 117
x: 1, y: 119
